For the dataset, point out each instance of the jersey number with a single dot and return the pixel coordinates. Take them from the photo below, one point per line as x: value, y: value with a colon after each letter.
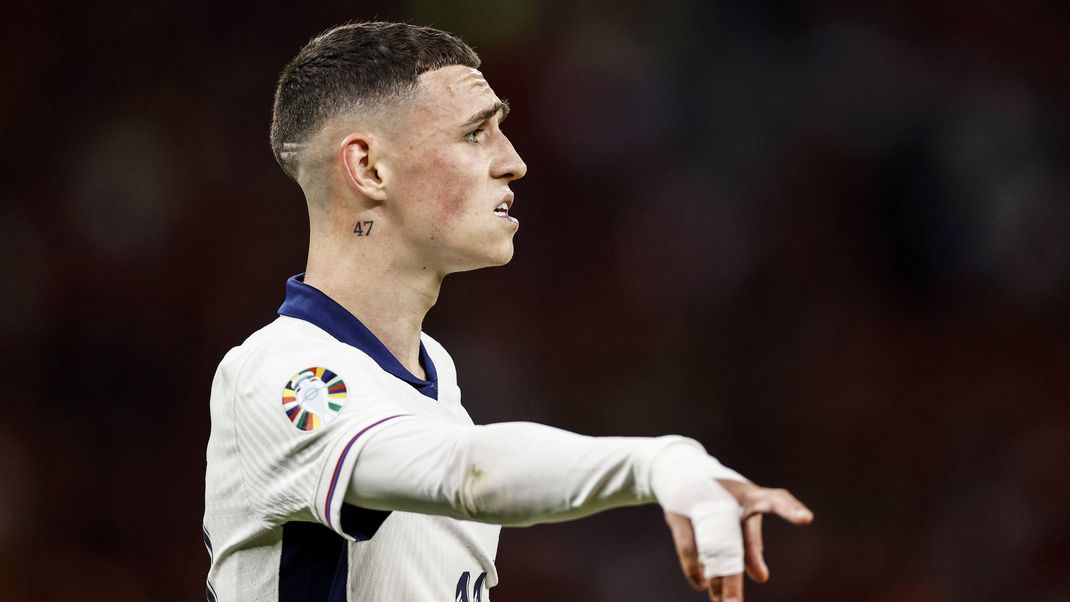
x: 477, y: 588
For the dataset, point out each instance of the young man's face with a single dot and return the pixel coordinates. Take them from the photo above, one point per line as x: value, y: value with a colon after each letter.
x: 451, y: 169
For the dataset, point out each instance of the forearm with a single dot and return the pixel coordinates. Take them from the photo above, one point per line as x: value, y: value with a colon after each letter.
x: 511, y: 473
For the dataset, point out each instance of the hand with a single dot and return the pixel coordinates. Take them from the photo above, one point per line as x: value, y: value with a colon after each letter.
x: 755, y: 501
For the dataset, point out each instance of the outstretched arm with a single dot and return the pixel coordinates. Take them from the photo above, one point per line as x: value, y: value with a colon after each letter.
x: 515, y: 473
x: 525, y: 473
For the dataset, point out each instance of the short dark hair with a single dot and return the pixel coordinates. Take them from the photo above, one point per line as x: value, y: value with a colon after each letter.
x: 356, y: 63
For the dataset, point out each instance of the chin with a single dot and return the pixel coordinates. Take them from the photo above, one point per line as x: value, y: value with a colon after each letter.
x: 505, y: 257
x: 496, y: 257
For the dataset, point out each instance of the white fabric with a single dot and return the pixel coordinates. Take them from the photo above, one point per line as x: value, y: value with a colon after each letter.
x: 263, y: 471
x: 392, y: 448
x: 524, y: 473
x: 509, y: 474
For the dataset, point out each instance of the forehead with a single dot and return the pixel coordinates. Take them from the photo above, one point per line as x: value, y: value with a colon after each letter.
x: 454, y: 81
x: 454, y: 92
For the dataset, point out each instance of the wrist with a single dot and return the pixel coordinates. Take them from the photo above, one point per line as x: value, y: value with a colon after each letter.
x: 683, y: 474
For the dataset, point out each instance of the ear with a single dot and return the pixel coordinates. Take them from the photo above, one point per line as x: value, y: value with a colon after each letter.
x: 358, y: 157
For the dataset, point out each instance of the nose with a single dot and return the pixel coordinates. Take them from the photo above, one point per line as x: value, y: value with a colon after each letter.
x: 509, y: 166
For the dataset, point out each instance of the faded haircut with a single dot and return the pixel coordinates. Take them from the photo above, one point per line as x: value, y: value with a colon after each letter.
x: 350, y: 67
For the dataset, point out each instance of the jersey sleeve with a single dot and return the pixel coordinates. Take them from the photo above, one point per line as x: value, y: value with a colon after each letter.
x: 301, y: 413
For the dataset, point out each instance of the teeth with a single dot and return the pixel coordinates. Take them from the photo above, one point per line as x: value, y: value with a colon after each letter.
x: 502, y: 208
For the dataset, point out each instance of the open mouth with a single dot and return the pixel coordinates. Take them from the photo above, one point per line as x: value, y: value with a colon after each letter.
x: 502, y: 210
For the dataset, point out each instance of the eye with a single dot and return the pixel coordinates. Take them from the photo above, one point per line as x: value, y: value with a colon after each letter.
x: 474, y: 135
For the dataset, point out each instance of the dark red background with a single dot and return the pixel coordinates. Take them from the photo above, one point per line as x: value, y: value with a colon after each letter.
x: 831, y: 242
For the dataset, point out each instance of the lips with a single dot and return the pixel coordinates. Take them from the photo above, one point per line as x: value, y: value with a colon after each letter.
x: 502, y: 209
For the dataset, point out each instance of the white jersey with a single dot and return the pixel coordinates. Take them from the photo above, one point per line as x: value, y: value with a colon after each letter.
x: 291, y: 409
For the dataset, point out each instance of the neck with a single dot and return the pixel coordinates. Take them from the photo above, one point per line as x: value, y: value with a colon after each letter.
x: 387, y: 296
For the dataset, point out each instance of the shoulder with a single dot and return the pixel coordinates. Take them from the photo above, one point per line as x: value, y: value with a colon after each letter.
x: 281, y: 338
x: 288, y: 347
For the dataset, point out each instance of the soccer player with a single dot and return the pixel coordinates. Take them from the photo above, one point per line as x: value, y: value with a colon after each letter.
x: 341, y: 464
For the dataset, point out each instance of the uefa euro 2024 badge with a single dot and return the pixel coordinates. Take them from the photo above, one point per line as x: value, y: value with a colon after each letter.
x: 313, y: 398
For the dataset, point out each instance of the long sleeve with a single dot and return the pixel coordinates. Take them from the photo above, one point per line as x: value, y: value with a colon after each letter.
x: 509, y: 473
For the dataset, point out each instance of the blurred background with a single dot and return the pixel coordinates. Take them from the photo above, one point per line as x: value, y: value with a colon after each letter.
x: 831, y: 241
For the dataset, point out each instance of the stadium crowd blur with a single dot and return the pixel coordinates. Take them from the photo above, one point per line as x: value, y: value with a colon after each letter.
x: 830, y: 240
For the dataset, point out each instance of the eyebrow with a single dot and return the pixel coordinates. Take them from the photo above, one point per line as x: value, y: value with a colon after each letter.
x: 480, y: 117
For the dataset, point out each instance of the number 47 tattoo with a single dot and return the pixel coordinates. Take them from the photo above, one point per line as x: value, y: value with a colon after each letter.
x: 363, y: 228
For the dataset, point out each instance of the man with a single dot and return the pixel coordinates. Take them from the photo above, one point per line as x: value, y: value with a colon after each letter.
x: 341, y: 464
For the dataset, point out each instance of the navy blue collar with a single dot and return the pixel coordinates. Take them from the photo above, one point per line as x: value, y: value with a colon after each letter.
x: 308, y: 303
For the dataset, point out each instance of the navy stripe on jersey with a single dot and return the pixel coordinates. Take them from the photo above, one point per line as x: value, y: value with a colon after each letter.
x: 207, y: 542
x: 209, y: 593
x: 308, y: 303
x: 314, y: 563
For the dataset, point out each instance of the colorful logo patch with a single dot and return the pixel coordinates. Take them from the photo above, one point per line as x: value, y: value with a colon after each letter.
x: 313, y: 398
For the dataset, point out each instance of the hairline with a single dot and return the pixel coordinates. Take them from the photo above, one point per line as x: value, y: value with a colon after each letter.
x: 380, y: 110
x: 413, y: 41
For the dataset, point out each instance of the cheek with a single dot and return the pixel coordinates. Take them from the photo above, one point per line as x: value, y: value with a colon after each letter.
x: 448, y: 197
x: 440, y: 192
x: 446, y: 190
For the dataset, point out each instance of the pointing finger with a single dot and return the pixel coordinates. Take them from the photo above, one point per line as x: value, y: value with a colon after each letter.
x: 779, y: 502
x: 790, y: 509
